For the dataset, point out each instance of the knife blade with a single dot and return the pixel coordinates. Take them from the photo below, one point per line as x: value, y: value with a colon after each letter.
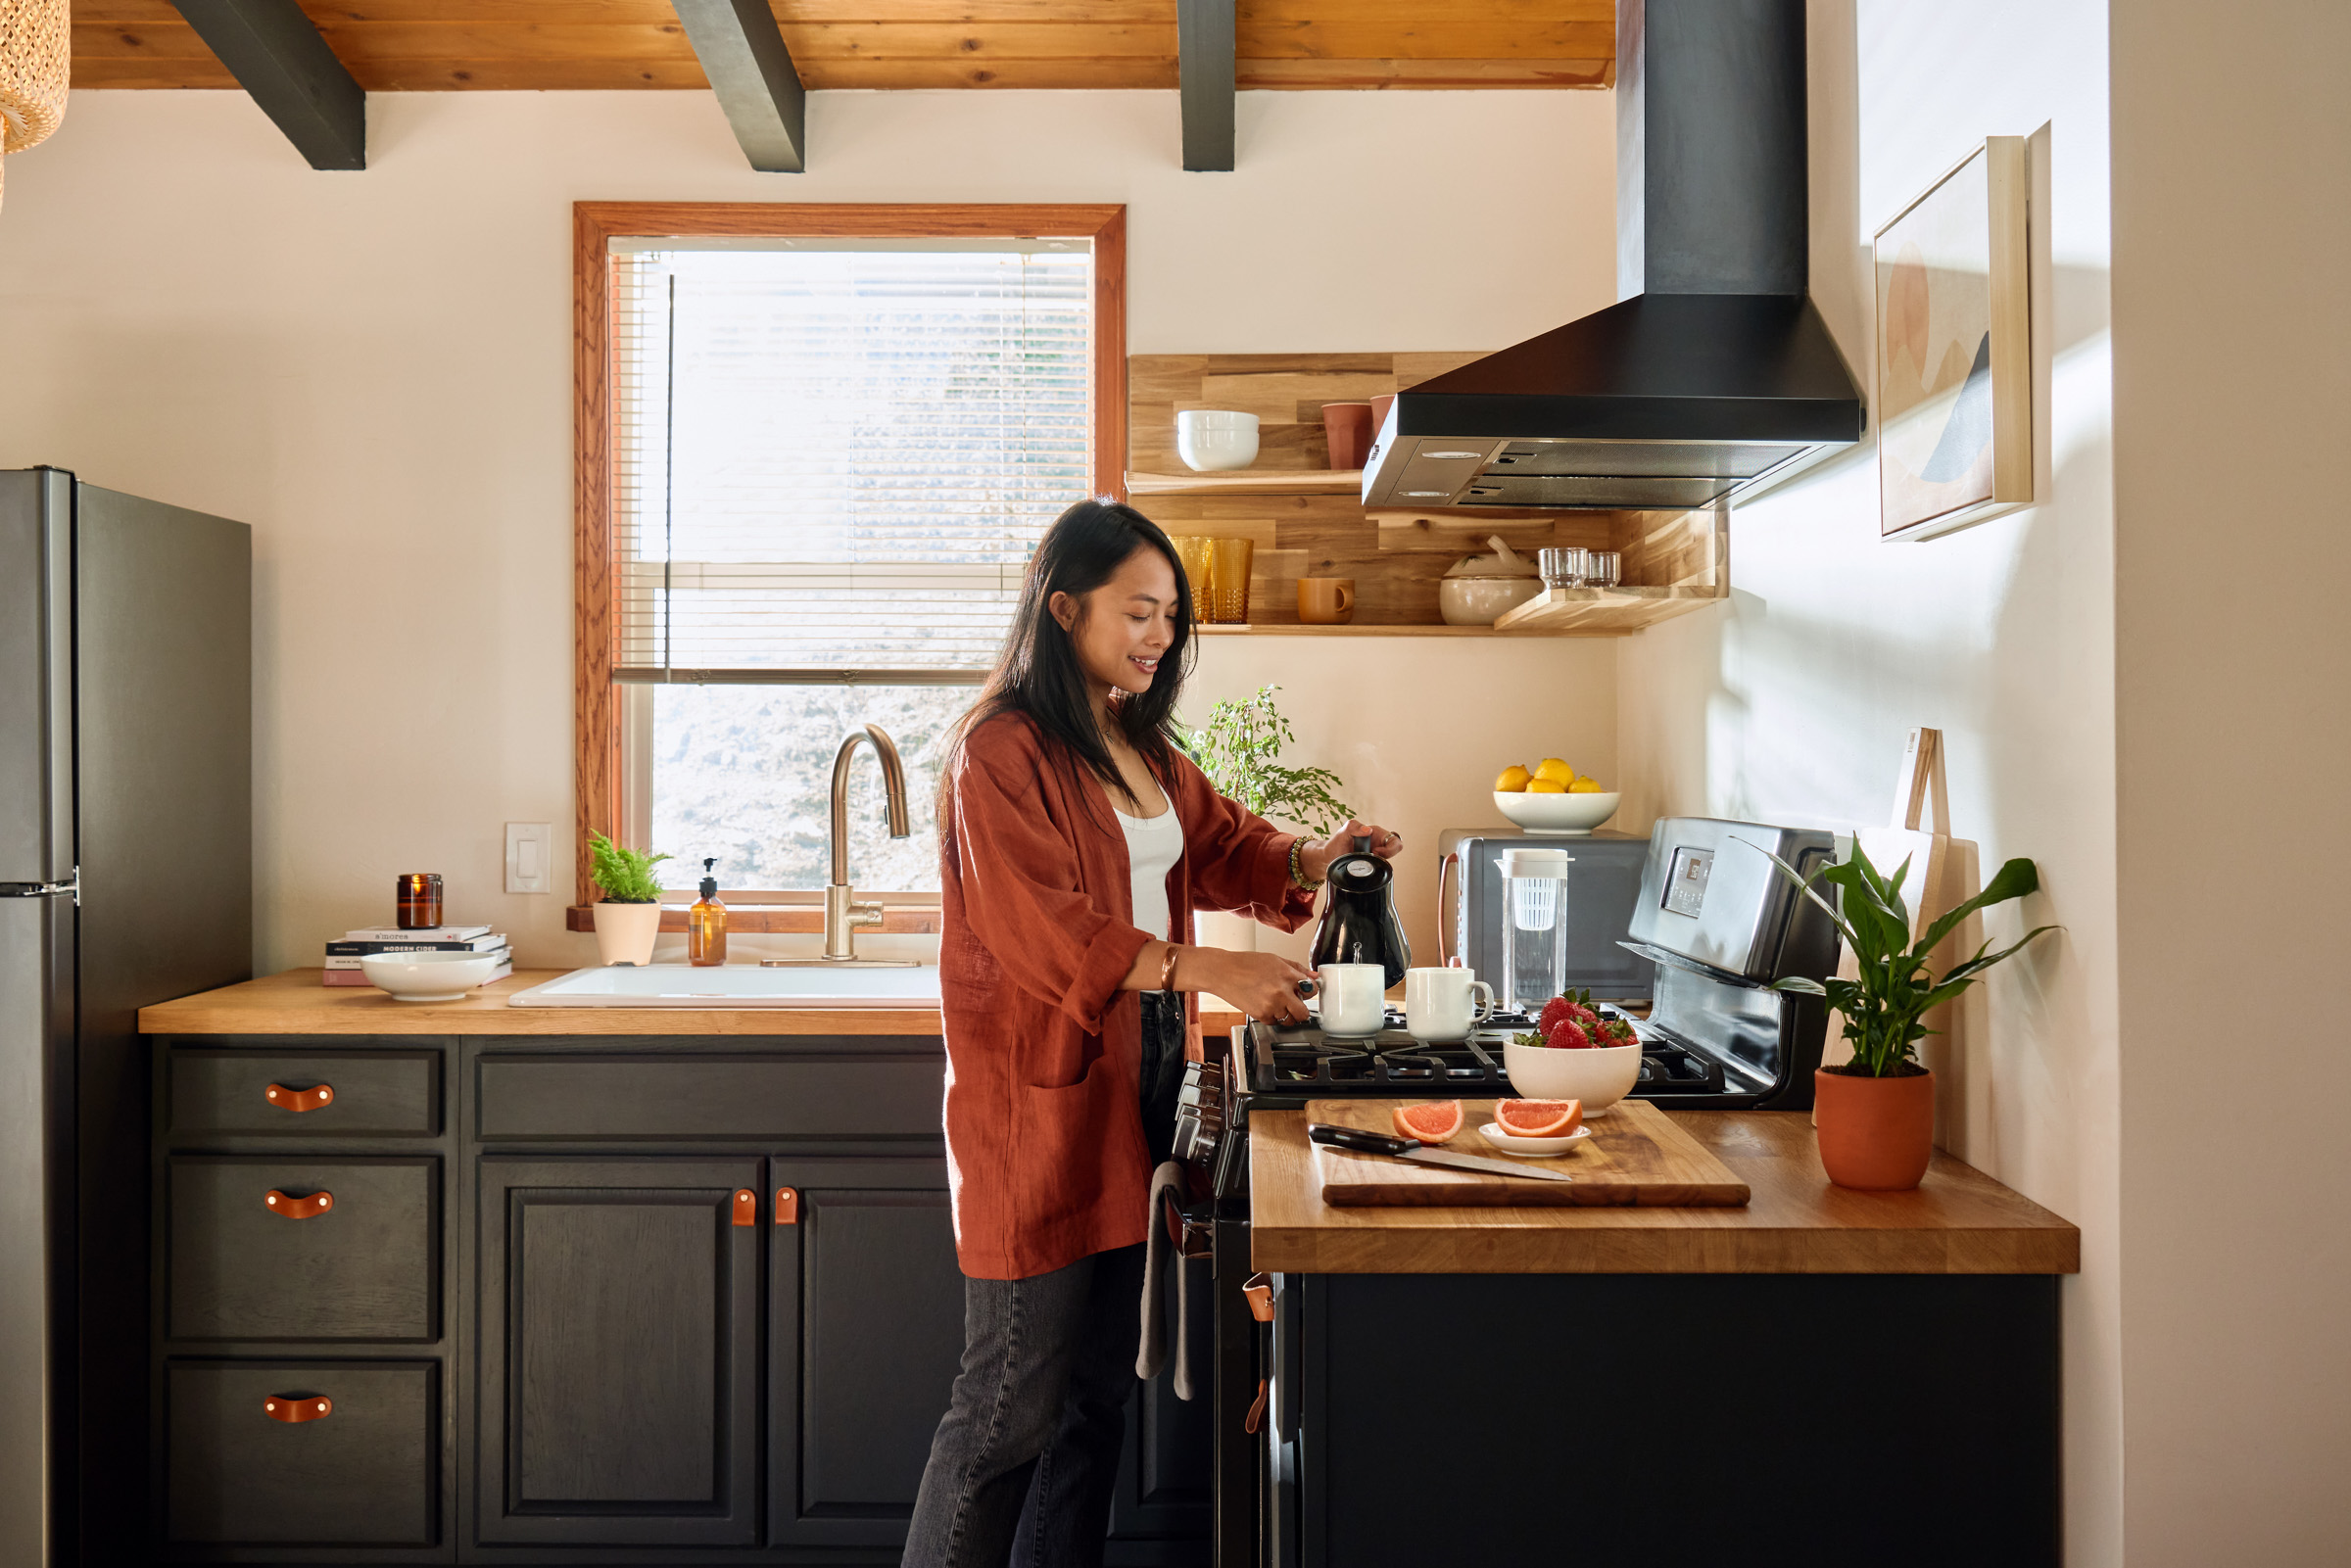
x: 1364, y: 1141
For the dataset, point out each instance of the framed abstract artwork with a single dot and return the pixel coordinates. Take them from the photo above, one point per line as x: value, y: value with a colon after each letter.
x: 1955, y: 370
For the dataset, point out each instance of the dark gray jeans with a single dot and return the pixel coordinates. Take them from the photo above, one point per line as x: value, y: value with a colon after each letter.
x: 1024, y: 1463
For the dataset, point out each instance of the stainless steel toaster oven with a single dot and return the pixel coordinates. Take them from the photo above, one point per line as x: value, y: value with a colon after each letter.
x: 1604, y: 885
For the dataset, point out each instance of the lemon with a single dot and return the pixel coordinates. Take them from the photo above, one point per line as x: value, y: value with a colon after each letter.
x: 1512, y: 781
x: 1586, y: 787
x: 1545, y: 786
x: 1557, y: 772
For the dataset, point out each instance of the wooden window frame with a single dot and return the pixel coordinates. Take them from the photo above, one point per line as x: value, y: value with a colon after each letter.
x: 597, y: 734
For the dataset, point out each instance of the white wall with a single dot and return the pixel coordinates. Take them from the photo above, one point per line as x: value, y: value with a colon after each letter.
x: 374, y: 369
x: 1792, y: 703
x: 2232, y: 395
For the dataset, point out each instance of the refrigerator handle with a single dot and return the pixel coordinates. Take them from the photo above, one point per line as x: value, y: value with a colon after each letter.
x: 71, y: 888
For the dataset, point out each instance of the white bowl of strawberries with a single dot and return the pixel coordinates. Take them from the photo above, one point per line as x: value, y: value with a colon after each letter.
x: 1574, y: 1054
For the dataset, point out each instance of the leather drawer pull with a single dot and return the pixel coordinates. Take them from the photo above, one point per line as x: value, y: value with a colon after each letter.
x: 285, y: 1099
x: 1260, y: 1292
x: 1256, y: 1410
x: 317, y: 1203
x: 747, y: 1206
x: 307, y: 1409
x: 788, y: 1206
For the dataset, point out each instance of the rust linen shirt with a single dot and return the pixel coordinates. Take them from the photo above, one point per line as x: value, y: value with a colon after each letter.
x: 1045, y: 1151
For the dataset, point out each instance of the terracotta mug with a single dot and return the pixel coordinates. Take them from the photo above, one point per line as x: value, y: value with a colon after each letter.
x: 1347, y: 430
x: 1228, y: 580
x: 1326, y: 600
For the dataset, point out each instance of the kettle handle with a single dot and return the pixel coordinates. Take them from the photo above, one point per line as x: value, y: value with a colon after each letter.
x: 1362, y: 843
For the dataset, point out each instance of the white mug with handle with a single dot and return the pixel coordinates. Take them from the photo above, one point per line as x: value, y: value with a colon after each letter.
x: 1352, y: 997
x: 1445, y: 1004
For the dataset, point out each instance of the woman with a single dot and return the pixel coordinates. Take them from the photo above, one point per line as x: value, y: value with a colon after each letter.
x: 1076, y: 843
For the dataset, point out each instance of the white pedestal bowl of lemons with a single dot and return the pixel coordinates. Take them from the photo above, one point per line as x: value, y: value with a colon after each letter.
x: 1553, y: 801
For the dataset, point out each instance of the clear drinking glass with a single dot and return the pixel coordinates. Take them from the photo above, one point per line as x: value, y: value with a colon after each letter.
x: 1534, y: 926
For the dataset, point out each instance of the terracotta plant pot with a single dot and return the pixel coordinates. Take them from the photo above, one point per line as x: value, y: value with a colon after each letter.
x: 1876, y: 1134
x: 625, y: 933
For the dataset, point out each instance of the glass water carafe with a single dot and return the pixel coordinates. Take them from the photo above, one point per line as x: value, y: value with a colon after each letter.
x: 1534, y: 928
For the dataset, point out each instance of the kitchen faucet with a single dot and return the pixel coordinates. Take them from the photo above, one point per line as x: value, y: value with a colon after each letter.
x: 842, y: 913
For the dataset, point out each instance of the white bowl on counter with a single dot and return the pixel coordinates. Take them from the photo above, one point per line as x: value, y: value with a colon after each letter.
x: 1213, y: 440
x: 1562, y: 816
x: 1599, y: 1076
x: 1483, y: 600
x: 429, y: 977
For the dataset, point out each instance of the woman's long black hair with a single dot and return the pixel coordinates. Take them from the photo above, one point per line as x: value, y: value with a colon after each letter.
x: 1038, y: 675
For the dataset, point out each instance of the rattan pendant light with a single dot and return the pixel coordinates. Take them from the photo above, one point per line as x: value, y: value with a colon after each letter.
x: 34, y: 60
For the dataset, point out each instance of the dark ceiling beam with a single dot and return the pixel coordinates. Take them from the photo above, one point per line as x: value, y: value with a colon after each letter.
x: 1204, y: 72
x: 278, y: 58
x: 742, y: 53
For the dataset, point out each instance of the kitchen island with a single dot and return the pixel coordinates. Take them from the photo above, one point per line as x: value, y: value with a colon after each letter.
x: 572, y: 1285
x: 1820, y: 1377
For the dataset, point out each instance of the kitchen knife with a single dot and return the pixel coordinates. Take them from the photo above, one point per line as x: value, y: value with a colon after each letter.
x: 1379, y: 1143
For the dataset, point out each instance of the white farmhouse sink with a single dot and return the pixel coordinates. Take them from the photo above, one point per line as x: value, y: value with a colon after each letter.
x: 739, y: 985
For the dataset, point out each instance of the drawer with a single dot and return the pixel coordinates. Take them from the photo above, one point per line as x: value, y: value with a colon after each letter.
x: 734, y: 1096
x: 367, y: 1473
x: 374, y: 1094
x: 239, y: 1267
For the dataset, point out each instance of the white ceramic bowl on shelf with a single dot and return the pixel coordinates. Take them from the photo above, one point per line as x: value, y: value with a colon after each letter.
x: 1600, y: 1076
x: 1562, y: 816
x: 1483, y: 600
x: 429, y: 977
x: 1213, y: 440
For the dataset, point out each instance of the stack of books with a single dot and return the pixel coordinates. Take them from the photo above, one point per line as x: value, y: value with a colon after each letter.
x: 343, y: 957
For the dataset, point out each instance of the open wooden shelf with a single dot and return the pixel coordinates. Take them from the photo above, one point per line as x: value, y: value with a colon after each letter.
x: 1308, y: 520
x: 1251, y: 482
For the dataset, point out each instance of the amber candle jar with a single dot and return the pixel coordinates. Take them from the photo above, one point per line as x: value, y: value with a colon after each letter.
x: 419, y: 896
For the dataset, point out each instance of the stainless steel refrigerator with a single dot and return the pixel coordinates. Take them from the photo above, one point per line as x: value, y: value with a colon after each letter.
x: 126, y: 879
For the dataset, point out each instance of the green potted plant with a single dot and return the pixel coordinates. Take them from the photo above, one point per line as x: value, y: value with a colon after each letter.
x: 1240, y: 749
x: 1876, y: 1113
x: 628, y: 918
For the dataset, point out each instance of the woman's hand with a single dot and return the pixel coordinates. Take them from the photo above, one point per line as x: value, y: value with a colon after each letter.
x: 1315, y: 860
x: 1264, y: 985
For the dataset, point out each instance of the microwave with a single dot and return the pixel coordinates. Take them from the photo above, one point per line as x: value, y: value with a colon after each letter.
x: 1603, y: 887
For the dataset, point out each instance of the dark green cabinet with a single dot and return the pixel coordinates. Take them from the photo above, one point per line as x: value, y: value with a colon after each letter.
x: 865, y: 1330
x: 618, y: 1353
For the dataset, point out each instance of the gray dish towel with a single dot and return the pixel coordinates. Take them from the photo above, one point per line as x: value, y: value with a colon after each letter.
x: 1157, y: 1246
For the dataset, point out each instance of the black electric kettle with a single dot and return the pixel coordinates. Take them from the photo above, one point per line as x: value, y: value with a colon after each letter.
x: 1359, y: 922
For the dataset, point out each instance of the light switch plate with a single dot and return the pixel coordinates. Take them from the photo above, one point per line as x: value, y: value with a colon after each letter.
x: 529, y: 847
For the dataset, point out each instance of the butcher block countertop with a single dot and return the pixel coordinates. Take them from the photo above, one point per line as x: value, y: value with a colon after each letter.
x: 1959, y: 1221
x: 295, y: 1003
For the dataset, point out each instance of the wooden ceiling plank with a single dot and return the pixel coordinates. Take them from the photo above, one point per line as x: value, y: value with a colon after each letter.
x: 1439, y: 74
x: 113, y: 42
x: 1100, y: 75
x: 278, y: 57
x: 1427, y: 40
x: 750, y: 69
x: 1513, y: 12
x: 1203, y: 33
x: 357, y: 41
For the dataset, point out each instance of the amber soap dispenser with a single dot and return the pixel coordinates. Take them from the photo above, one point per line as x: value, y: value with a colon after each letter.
x: 706, y: 922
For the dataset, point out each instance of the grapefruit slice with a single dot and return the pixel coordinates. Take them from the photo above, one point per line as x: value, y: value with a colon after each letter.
x: 1429, y: 1120
x: 1539, y: 1118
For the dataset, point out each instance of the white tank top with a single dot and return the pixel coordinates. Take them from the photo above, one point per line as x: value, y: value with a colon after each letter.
x: 1153, y: 846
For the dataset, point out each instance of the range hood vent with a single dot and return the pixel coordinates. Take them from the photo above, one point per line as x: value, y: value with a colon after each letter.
x: 1715, y: 374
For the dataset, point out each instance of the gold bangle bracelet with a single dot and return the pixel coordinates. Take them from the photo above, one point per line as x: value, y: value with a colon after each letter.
x: 1167, y: 968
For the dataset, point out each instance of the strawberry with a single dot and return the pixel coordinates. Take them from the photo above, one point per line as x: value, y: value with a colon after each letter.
x: 1567, y: 1036
x: 1557, y: 1007
x: 1583, y: 1015
x: 1613, y: 1031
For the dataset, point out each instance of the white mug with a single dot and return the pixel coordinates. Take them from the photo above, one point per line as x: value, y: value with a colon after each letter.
x: 1352, y: 997
x: 1438, y: 1003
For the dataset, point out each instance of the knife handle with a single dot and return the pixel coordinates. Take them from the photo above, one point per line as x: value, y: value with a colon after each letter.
x: 1360, y: 1138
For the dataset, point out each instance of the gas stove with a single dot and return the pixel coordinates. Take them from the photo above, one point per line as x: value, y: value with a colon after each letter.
x: 1287, y: 1067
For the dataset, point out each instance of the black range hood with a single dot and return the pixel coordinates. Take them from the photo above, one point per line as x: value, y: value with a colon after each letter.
x: 1717, y: 374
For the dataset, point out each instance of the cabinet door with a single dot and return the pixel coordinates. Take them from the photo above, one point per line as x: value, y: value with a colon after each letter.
x: 1166, y: 1469
x: 866, y: 1334
x: 619, y: 1352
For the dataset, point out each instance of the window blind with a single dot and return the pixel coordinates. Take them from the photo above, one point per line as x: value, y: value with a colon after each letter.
x: 834, y: 458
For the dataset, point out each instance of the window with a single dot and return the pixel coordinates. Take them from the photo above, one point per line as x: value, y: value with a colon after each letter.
x: 818, y: 445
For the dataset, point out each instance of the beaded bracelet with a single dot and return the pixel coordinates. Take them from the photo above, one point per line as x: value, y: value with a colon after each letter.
x: 1297, y: 870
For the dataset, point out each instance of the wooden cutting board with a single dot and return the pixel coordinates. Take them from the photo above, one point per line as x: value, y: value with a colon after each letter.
x: 1635, y: 1155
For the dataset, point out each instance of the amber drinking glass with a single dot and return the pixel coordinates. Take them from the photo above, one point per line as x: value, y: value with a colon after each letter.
x: 1197, y: 554
x: 417, y: 895
x: 1228, y: 580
